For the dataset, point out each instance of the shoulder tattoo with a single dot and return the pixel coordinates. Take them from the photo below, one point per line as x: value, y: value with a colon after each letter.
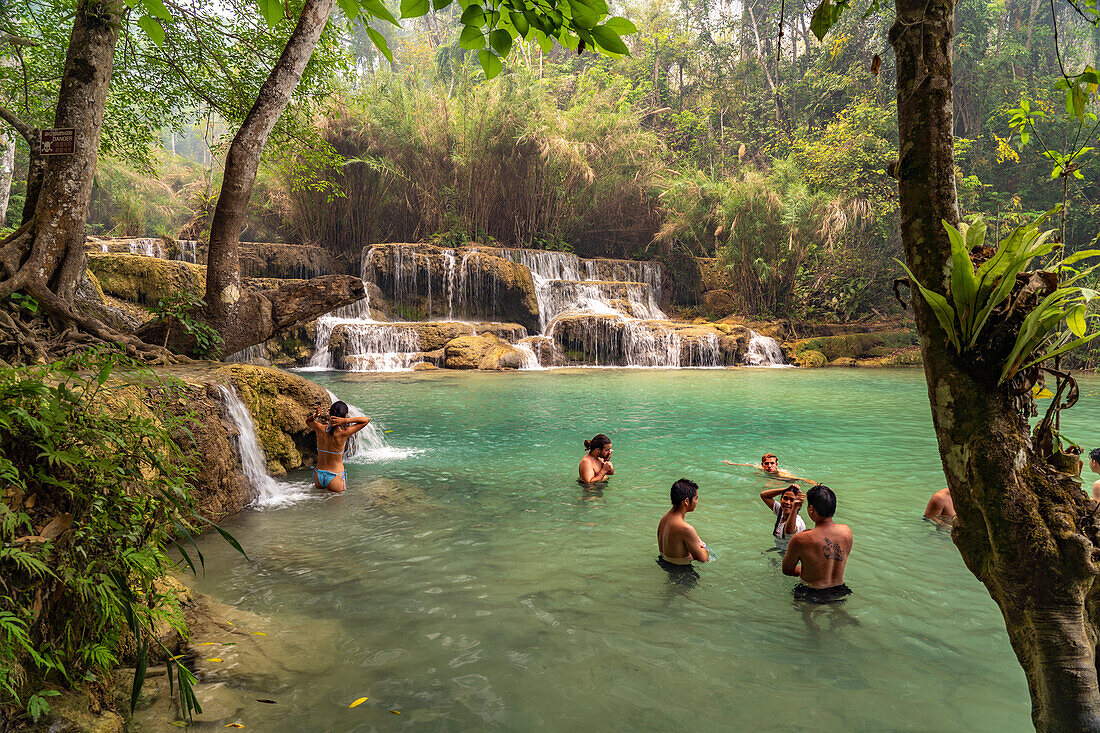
x: 832, y: 550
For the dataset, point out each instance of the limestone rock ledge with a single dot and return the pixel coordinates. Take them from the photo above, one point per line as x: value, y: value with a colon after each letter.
x: 278, y: 403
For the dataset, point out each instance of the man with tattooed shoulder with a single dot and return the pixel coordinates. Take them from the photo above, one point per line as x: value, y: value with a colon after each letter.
x: 818, y: 556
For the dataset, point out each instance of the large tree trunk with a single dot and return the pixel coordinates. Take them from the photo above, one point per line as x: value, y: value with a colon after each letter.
x: 1024, y: 529
x: 245, y: 318
x: 47, y: 257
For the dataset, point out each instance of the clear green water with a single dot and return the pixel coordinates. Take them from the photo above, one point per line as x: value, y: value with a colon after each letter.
x: 475, y: 584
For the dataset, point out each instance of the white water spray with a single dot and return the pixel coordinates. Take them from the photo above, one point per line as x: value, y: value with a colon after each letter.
x: 268, y: 491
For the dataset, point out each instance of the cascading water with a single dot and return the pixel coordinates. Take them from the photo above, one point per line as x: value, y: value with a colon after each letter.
x: 269, y: 492
x: 764, y: 351
x: 369, y: 444
x: 189, y: 250
x: 147, y: 247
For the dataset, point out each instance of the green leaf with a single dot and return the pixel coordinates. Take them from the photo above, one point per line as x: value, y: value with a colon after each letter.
x: 583, y: 16
x: 272, y: 10
x: 415, y: 8
x: 609, y: 40
x: 1082, y: 255
x: 350, y: 8
x: 440, y: 4
x: 139, y: 675
x: 519, y: 23
x: 940, y: 307
x: 379, y: 42
x: 380, y: 11
x: 1075, y: 319
x: 501, y: 41
x: 545, y: 42
x: 622, y: 26
x: 156, y: 9
x: 152, y: 28
x: 471, y: 38
x: 822, y: 19
x: 473, y: 16
x: 489, y: 63
x: 1058, y: 352
x: 964, y: 285
x: 230, y: 539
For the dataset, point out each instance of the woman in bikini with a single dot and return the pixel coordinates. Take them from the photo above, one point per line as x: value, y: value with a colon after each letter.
x: 332, y: 438
x: 596, y: 466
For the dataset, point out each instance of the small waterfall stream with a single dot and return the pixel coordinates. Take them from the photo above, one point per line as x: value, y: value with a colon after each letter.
x: 268, y: 491
x: 764, y: 351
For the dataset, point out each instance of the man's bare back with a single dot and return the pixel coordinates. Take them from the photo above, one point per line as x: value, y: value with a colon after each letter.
x: 818, y: 556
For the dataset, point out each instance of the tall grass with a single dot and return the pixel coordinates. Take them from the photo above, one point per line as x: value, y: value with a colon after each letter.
x: 523, y: 162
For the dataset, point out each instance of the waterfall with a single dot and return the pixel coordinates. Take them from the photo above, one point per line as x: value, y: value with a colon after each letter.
x: 369, y: 444
x: 530, y: 359
x: 269, y: 492
x: 764, y: 351
x: 248, y: 354
x: 147, y: 247
x: 189, y: 250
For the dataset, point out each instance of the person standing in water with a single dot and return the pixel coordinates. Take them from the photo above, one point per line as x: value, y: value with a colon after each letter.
x: 941, y: 509
x: 596, y: 466
x: 818, y: 556
x: 787, y: 520
x: 769, y: 464
x: 332, y: 438
x: 677, y: 541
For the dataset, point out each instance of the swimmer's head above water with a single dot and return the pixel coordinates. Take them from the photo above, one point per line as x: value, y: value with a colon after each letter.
x: 685, y: 490
x: 599, y: 446
x: 770, y: 463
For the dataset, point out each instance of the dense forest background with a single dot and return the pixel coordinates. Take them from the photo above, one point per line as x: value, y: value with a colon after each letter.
x: 729, y: 132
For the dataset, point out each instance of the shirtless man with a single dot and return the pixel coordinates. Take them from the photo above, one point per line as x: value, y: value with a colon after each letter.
x: 1094, y: 464
x: 596, y: 465
x: 769, y: 464
x: 329, y: 472
x: 941, y: 509
x: 677, y: 541
x: 818, y: 556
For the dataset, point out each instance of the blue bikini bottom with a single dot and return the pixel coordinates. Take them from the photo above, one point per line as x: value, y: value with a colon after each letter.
x: 325, y: 477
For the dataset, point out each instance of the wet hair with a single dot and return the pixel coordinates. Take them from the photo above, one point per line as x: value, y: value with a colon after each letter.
x: 1094, y: 455
x: 597, y: 443
x: 766, y: 456
x: 339, y: 409
x: 779, y: 514
x: 823, y: 500
x: 683, y: 490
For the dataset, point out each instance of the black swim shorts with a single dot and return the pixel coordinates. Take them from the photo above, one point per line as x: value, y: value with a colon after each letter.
x: 821, y: 595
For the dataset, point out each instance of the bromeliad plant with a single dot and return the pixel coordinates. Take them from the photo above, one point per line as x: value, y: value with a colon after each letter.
x: 975, y: 295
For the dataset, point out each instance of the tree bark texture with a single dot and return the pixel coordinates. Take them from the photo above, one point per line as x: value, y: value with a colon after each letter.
x: 259, y: 316
x: 1024, y: 529
x: 223, y: 274
x: 48, y: 257
x: 7, y: 172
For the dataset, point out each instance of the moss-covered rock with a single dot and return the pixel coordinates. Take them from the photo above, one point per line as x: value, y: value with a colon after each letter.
x: 810, y: 359
x: 279, y: 403
x: 857, y: 345
x: 144, y: 280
